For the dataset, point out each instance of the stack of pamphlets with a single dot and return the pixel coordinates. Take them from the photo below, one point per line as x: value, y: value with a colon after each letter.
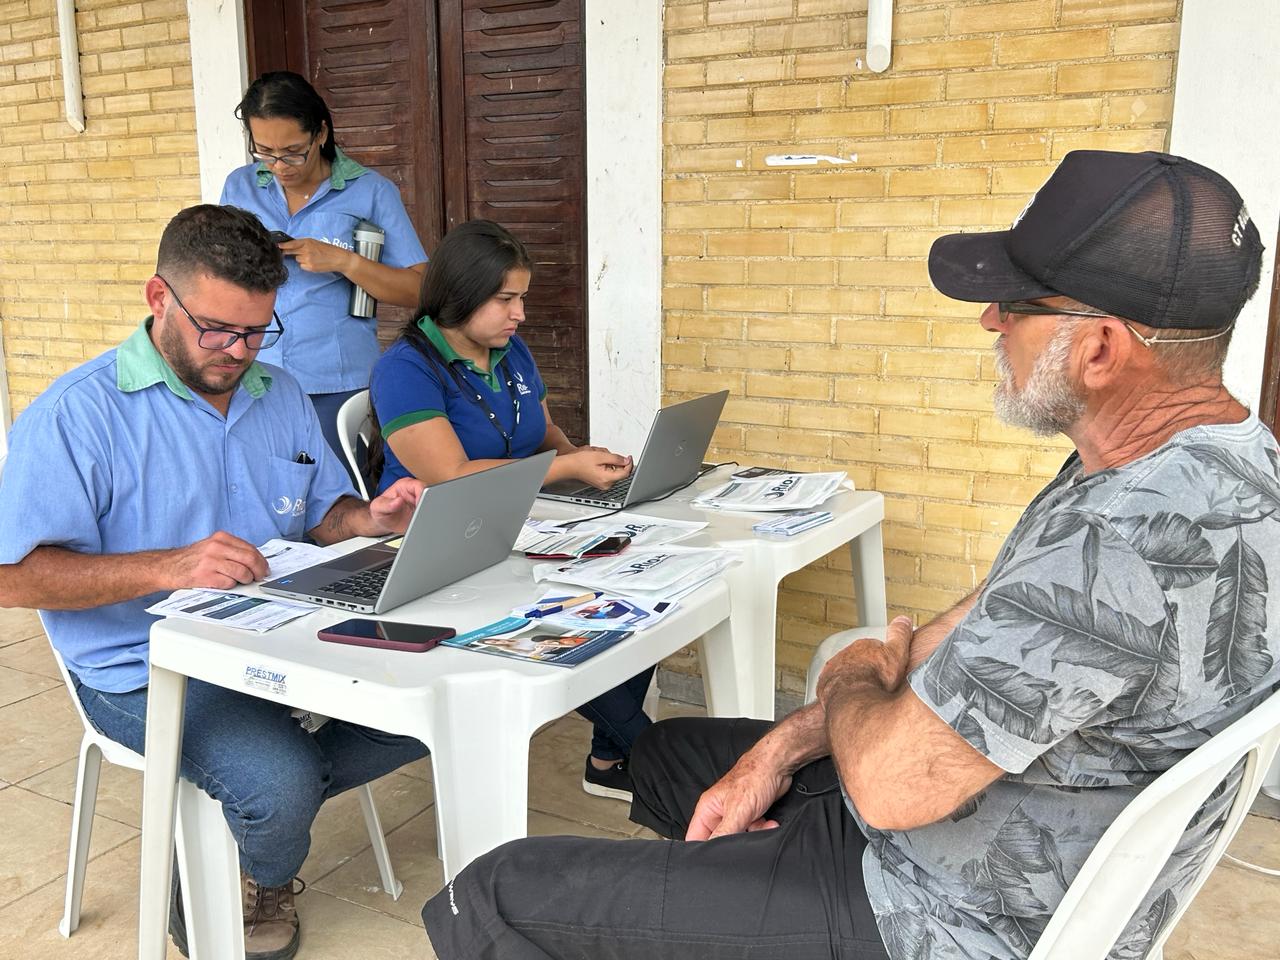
x: 789, y: 524
x: 663, y: 573
x: 787, y: 491
x: 513, y: 638
x: 570, y: 538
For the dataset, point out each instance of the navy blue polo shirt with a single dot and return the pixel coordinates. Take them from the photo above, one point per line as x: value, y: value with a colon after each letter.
x: 407, y: 388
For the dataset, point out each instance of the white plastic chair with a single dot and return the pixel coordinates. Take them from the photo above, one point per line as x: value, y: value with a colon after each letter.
x: 203, y: 839
x: 354, y: 422
x: 1129, y: 857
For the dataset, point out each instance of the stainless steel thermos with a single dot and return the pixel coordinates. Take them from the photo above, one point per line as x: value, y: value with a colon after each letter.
x: 369, y: 238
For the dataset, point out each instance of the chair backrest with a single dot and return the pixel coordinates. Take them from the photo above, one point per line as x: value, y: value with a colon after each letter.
x: 1129, y: 857
x: 354, y: 423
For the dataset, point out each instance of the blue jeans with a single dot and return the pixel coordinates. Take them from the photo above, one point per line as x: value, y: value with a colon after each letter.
x: 618, y: 717
x: 268, y: 773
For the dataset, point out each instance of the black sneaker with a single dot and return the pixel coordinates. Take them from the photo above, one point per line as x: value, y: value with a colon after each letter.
x: 177, y: 922
x: 613, y: 782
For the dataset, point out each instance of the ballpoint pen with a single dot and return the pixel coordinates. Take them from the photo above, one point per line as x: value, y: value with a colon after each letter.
x: 548, y: 609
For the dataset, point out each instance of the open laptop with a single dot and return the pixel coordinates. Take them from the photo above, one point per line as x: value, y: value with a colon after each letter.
x: 458, y: 527
x: 672, y: 457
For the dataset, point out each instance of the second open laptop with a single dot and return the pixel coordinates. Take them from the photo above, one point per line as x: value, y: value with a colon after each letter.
x: 459, y: 527
x: 672, y: 457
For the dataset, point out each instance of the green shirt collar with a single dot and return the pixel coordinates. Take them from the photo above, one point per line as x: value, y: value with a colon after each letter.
x: 139, y: 365
x: 341, y: 170
x: 428, y: 327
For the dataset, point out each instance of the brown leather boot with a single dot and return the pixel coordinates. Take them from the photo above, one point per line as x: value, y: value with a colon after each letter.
x: 270, y: 919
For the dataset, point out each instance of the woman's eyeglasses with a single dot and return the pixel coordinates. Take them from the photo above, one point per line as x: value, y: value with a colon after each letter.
x: 288, y: 159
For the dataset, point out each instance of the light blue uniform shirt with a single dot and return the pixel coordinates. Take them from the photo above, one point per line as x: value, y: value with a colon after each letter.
x: 325, y: 348
x: 118, y: 456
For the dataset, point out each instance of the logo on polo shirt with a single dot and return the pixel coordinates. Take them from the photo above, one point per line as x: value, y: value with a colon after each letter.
x: 521, y: 387
x: 284, y: 506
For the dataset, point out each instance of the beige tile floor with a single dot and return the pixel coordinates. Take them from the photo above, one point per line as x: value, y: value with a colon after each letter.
x: 345, y: 913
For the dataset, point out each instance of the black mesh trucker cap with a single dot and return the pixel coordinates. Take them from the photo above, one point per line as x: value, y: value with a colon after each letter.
x: 1145, y: 236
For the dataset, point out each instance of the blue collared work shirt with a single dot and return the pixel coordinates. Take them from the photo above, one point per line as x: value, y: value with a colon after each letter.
x: 118, y: 456
x: 325, y: 348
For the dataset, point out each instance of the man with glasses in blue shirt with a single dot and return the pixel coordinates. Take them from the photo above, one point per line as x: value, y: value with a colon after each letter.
x: 158, y: 466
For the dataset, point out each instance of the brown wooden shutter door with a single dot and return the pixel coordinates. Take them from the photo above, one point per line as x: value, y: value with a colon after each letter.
x: 514, y: 141
x: 474, y: 108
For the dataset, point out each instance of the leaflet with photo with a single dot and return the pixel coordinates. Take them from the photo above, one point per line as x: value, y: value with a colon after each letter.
x: 540, y: 645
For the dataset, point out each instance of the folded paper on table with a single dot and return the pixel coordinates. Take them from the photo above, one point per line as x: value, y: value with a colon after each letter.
x: 664, y: 573
x: 790, y: 491
x: 230, y: 609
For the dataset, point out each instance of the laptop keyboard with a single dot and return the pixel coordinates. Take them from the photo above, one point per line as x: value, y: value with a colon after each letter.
x: 366, y: 585
x: 617, y: 493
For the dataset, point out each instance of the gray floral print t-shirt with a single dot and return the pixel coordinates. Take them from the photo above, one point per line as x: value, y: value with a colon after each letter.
x: 1124, y: 622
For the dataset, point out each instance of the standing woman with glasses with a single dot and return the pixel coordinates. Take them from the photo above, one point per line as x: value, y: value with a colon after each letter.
x: 303, y: 186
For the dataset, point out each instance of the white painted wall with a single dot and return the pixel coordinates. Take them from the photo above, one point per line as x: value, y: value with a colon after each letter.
x: 624, y: 180
x: 1226, y: 115
x: 219, y: 73
x: 624, y: 218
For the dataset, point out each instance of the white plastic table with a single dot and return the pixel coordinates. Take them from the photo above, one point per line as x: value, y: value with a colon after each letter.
x: 476, y: 713
x: 745, y: 687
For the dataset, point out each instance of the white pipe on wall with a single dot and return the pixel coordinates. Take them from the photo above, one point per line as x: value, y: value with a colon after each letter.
x: 879, y: 34
x: 72, y: 95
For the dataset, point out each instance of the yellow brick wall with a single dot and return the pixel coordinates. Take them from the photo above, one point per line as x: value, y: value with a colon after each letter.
x: 804, y: 291
x: 81, y: 213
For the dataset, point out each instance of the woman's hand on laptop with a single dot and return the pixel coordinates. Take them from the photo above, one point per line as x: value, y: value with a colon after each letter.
x: 594, y: 465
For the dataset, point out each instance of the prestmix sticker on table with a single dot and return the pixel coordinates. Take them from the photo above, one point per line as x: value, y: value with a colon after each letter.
x: 269, y: 681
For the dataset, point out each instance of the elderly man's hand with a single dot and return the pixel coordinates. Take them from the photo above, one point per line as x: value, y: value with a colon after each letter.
x: 736, y: 803
x: 869, y: 660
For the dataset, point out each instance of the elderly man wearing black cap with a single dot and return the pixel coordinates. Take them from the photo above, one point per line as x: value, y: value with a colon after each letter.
x: 948, y: 784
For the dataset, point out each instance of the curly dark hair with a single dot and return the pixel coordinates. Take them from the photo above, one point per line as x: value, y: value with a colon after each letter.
x: 225, y: 242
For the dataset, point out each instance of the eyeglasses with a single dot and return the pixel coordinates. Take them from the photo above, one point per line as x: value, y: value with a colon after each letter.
x: 1025, y: 309
x: 288, y: 159
x: 219, y: 338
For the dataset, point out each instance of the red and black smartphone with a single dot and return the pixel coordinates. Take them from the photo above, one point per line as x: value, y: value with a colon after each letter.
x: 411, y: 637
x: 605, y: 548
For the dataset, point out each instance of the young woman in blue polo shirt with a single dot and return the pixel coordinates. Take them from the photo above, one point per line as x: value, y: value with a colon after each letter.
x: 301, y: 184
x: 459, y: 392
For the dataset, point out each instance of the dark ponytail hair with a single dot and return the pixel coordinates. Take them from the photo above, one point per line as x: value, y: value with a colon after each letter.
x: 284, y: 94
x: 470, y: 266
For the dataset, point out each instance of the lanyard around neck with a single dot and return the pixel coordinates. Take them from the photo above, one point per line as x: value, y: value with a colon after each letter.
x: 477, y: 399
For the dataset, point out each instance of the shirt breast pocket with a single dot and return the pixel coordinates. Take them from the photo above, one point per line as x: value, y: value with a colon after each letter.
x: 288, y: 486
x: 335, y: 228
